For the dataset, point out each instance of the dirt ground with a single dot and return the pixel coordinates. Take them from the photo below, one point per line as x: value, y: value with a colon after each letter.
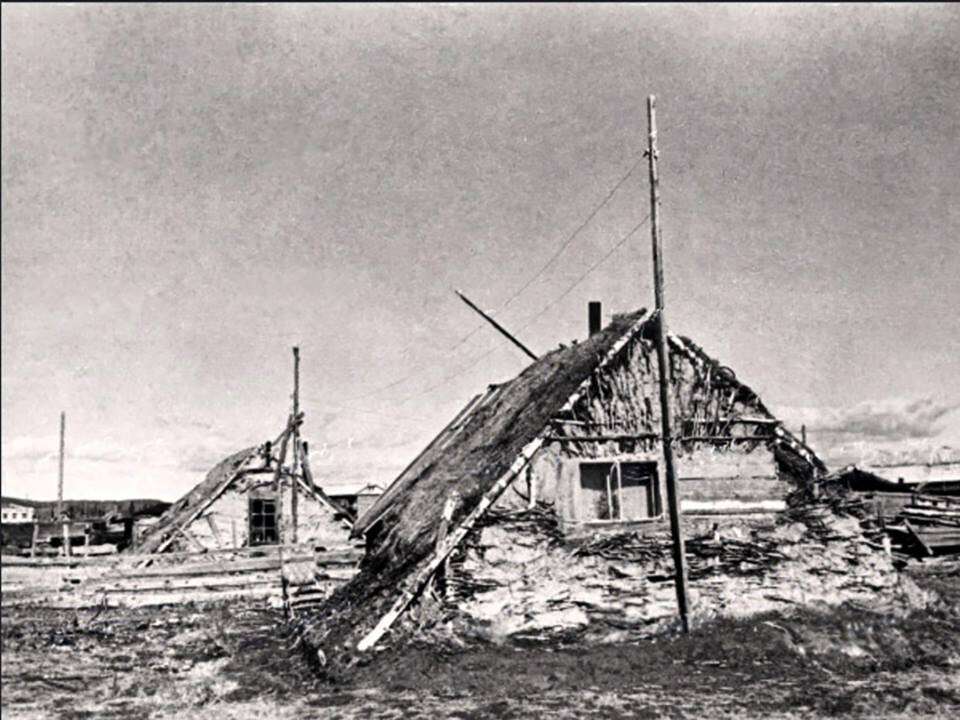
x: 238, y: 661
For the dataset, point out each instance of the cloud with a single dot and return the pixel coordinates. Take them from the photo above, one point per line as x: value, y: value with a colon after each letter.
x: 892, y: 430
x: 41, y: 448
x: 30, y: 448
x: 199, y: 455
x: 179, y: 421
x: 892, y: 419
x: 106, y: 450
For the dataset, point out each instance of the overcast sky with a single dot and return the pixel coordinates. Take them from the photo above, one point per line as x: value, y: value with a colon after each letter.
x: 189, y: 191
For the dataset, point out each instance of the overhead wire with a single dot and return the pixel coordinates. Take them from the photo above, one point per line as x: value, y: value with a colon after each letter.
x: 563, y: 246
x: 456, y: 373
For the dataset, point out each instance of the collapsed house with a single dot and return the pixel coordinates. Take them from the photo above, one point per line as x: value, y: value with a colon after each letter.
x: 917, y: 504
x: 251, y: 498
x: 355, y: 498
x: 540, y: 507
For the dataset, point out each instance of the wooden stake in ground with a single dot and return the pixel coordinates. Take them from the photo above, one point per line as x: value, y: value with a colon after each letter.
x: 61, y: 516
x: 36, y: 535
x: 294, y: 494
x: 663, y: 361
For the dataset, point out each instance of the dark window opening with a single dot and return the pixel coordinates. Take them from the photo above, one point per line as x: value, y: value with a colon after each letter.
x: 619, y: 491
x: 263, y: 522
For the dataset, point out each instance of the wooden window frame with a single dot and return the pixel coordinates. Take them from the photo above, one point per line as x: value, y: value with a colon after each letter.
x: 257, y: 534
x: 617, y: 463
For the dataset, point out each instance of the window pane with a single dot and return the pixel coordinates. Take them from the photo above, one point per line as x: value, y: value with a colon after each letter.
x: 613, y: 485
x: 639, y: 490
x: 595, y: 500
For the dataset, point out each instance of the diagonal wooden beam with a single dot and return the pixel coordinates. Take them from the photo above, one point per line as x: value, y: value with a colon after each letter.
x: 489, y: 498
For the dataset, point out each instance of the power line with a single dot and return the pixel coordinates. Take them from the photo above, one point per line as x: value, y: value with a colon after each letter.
x: 570, y: 238
x: 583, y: 277
x: 531, y: 319
x: 350, y: 409
x: 563, y: 246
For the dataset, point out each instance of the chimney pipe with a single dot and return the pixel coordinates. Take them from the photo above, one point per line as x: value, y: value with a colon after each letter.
x: 594, y: 323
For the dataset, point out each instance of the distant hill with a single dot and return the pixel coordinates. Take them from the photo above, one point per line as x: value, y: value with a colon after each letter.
x: 92, y: 509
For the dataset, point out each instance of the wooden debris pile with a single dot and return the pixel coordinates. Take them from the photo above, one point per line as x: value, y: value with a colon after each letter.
x: 705, y: 555
x: 925, y: 525
x: 928, y: 525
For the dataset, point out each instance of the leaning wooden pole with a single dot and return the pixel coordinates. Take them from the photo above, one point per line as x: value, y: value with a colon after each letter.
x: 502, y: 330
x: 294, y: 494
x: 663, y: 362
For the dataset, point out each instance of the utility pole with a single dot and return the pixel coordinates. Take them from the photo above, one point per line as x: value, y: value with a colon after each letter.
x: 294, y: 501
x: 663, y: 361
x: 60, y: 514
x: 498, y: 326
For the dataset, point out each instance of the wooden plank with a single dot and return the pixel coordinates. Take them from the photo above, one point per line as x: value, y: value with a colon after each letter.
x: 915, y: 536
x: 131, y: 560
x: 255, y: 551
x: 224, y: 567
x: 36, y: 535
x: 602, y: 438
x: 241, y: 566
x: 91, y: 561
x: 449, y: 543
x: 185, y: 583
x: 211, y: 521
x: 130, y: 600
x: 190, y: 537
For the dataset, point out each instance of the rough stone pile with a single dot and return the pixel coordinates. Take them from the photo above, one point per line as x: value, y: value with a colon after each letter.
x: 516, y: 580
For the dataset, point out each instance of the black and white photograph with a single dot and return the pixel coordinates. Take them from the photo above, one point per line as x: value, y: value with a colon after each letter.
x: 480, y: 360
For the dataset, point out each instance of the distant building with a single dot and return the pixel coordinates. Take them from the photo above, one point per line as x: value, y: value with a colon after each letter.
x: 355, y: 498
x: 891, y: 487
x: 13, y: 512
x: 929, y: 475
x: 244, y: 502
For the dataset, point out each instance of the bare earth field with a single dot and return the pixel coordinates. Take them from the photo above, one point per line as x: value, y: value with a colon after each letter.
x: 236, y: 661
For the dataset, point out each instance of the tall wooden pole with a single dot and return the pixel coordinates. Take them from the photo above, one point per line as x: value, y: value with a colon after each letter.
x: 294, y: 496
x: 663, y: 361
x: 60, y: 513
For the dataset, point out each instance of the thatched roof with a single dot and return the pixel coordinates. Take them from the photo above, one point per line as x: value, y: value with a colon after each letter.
x: 485, y: 438
x: 487, y: 441
x: 178, y: 514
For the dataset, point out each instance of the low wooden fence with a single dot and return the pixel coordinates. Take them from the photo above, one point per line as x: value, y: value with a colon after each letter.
x: 297, y: 575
